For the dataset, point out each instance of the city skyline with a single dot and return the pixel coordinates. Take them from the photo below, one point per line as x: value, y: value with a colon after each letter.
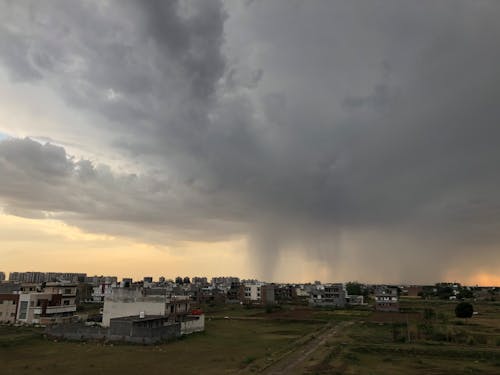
x: 279, y: 140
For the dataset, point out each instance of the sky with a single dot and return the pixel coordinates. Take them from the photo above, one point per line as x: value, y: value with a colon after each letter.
x: 283, y: 140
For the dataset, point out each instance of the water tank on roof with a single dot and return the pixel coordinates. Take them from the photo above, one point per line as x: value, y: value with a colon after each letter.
x: 142, y: 315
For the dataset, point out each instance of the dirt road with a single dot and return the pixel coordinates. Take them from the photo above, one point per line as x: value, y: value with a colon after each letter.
x: 287, y: 364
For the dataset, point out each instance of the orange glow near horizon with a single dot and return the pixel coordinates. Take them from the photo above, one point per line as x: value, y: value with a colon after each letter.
x: 48, y: 245
x: 53, y: 246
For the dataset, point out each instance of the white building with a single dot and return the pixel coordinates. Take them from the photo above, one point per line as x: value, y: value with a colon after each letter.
x: 127, y: 302
x: 100, y: 292
x: 252, y: 291
x: 54, y: 305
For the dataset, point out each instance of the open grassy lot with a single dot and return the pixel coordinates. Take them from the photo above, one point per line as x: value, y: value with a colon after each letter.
x: 248, y: 340
x: 227, y: 346
x: 411, y: 344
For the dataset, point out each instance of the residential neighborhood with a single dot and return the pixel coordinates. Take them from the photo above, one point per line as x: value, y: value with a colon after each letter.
x: 149, y: 310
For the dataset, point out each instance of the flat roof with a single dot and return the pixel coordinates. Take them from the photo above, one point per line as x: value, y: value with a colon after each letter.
x: 137, y: 318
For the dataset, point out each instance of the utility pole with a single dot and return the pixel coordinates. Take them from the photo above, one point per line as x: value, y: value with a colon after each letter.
x: 408, y: 327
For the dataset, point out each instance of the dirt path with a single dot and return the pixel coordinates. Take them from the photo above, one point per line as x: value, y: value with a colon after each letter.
x: 289, y: 362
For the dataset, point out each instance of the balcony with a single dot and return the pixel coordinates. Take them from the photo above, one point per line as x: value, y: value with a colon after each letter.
x: 55, y: 309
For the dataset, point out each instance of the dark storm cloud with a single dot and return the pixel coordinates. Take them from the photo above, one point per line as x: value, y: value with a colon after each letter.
x: 331, y: 127
x: 43, y: 178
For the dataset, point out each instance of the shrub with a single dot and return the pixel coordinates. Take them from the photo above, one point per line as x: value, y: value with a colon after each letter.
x: 464, y: 310
x: 429, y: 314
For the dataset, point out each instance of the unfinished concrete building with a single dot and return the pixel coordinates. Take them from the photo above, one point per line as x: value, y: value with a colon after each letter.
x: 386, y: 299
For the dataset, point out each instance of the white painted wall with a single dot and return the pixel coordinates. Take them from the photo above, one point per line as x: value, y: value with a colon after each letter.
x: 192, y: 326
x: 117, y: 309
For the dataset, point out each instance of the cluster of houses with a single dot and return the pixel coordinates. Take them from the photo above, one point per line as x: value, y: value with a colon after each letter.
x: 44, y: 304
x: 151, y: 310
x: 52, y: 298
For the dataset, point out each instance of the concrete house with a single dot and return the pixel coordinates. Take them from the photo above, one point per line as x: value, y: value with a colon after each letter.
x: 386, y: 299
x: 130, y: 302
x: 8, y: 307
x: 332, y: 295
x: 56, y: 304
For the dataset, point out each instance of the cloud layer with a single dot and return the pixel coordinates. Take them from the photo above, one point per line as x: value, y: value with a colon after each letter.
x: 361, y: 134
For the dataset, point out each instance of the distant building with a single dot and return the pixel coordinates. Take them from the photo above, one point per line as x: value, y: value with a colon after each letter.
x: 98, y: 280
x: 285, y: 293
x: 8, y: 287
x: 130, y: 301
x: 40, y: 277
x: 355, y: 300
x: 27, y: 277
x: 83, y: 292
x: 224, y: 282
x: 414, y: 291
x: 8, y: 307
x: 386, y: 299
x: 200, y: 281
x: 267, y: 294
x: 101, y: 291
x: 235, y: 293
x: 333, y: 295
x: 252, y: 292
x: 126, y: 282
x: 2, y: 276
x: 56, y: 304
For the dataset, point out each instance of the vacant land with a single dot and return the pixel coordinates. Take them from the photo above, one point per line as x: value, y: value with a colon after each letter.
x: 227, y: 346
x: 425, y: 338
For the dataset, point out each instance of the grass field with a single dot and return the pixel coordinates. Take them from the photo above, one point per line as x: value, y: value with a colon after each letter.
x: 227, y: 346
x: 245, y: 341
x: 382, y: 344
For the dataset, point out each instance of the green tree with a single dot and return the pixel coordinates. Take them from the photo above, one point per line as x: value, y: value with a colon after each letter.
x: 354, y: 288
x: 464, y: 310
x: 429, y: 314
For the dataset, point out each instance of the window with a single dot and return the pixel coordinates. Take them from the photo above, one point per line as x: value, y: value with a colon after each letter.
x: 22, y: 309
x: 66, y: 302
x: 1, y: 313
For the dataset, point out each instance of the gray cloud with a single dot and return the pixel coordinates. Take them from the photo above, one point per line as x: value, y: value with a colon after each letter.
x: 350, y: 130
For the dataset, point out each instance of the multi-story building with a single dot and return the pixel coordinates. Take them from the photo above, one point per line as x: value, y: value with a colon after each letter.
x: 2, y: 276
x: 202, y: 281
x: 40, y: 277
x: 8, y: 287
x: 334, y: 295
x: 234, y: 293
x: 71, y: 277
x: 100, y: 292
x: 56, y: 304
x: 386, y: 299
x: 27, y: 277
x: 98, y: 280
x: 285, y: 293
x: 252, y: 292
x: 8, y: 307
x: 224, y: 282
x: 126, y: 282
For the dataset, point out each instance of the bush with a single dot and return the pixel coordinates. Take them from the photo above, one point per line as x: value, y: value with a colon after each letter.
x: 429, y: 314
x: 464, y: 310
